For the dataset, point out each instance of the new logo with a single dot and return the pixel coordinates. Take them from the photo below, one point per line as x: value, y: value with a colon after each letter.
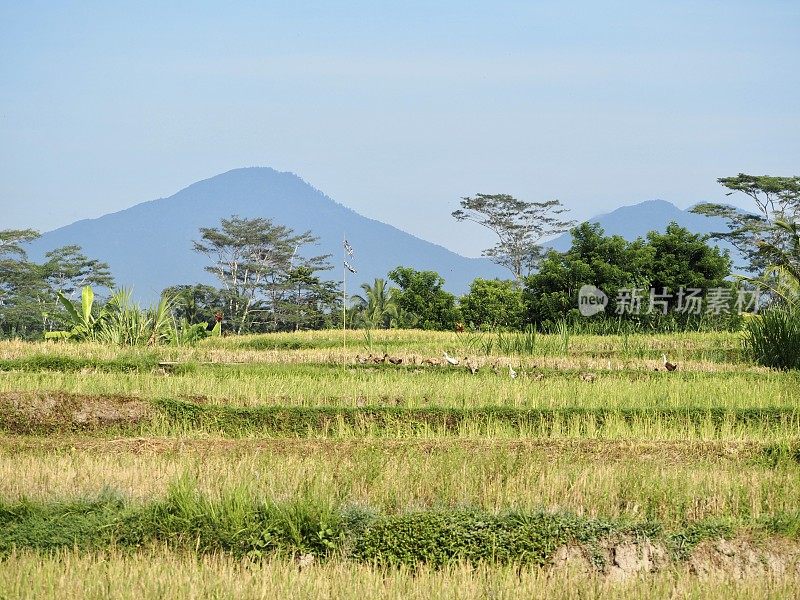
x: 591, y: 300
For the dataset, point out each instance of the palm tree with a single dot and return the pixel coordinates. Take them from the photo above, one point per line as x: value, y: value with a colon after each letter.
x: 376, y: 308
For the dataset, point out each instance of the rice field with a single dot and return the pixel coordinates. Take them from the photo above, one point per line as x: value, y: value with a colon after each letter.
x: 292, y: 465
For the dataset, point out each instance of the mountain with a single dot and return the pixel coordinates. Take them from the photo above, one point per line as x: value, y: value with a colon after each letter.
x: 637, y: 220
x: 149, y: 246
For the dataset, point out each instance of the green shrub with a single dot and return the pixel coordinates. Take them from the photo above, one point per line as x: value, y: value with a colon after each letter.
x: 436, y: 538
x: 243, y: 525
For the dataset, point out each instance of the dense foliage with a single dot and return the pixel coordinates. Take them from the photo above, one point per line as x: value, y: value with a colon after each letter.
x: 29, y: 291
x: 493, y: 303
x: 664, y: 263
x: 421, y: 300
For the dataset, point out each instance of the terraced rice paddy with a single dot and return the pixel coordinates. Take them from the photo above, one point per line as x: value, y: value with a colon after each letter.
x: 283, y: 465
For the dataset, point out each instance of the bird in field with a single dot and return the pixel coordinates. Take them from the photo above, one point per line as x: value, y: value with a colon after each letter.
x: 512, y: 372
x: 668, y: 365
x: 305, y: 561
x: 395, y: 361
x: 450, y: 360
x: 471, y: 365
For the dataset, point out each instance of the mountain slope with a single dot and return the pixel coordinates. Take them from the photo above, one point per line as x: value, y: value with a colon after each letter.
x: 149, y: 246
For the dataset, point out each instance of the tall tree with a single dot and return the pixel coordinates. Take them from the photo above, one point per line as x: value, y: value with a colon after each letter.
x: 775, y: 199
x: 12, y: 242
x: 291, y: 293
x: 252, y: 259
x: 784, y: 268
x: 28, y: 290
x: 22, y: 286
x: 68, y: 269
x: 309, y: 301
x: 520, y: 227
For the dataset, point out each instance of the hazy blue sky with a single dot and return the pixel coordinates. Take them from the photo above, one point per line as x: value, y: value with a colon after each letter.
x: 394, y: 109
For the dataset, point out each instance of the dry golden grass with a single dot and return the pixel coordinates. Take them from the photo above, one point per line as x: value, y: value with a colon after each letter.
x: 160, y: 574
x: 631, y: 481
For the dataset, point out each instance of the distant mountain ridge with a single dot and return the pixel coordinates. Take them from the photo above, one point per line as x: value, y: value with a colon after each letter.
x: 149, y: 246
x: 637, y: 220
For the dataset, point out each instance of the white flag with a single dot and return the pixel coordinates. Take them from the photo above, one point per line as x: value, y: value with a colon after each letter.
x: 348, y: 248
x: 350, y: 267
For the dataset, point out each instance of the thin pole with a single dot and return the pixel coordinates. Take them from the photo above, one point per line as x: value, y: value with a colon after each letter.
x: 344, y: 296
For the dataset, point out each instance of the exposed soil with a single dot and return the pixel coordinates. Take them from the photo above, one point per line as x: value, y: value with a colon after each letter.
x: 50, y: 412
x: 737, y: 559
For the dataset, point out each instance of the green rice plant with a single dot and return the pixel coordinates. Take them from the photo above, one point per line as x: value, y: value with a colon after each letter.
x: 516, y: 343
x: 368, y: 339
x: 527, y: 341
x: 176, y: 416
x: 68, y: 364
x: 564, y: 333
x: 772, y: 338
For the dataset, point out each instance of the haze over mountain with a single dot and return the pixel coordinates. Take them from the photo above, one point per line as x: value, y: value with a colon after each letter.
x: 149, y: 246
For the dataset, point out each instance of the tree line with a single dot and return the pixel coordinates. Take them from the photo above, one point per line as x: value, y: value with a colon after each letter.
x: 269, y: 278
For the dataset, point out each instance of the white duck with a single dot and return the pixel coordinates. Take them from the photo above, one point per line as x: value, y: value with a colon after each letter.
x: 450, y: 360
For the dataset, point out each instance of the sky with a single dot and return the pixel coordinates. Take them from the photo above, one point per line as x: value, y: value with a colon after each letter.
x: 396, y: 110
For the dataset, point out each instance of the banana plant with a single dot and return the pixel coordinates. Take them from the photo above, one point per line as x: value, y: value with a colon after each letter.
x: 122, y: 322
x: 85, y: 325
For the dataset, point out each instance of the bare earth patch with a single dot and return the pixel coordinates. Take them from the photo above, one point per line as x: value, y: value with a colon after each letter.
x: 40, y: 412
x: 738, y: 559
